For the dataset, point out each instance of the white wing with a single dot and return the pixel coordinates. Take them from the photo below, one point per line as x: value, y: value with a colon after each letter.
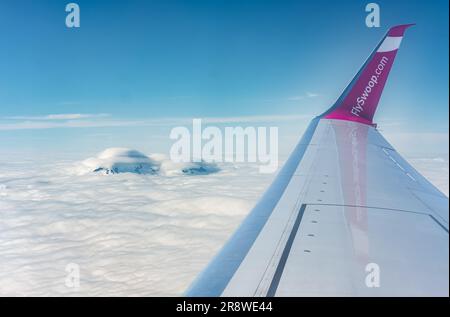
x: 346, y: 216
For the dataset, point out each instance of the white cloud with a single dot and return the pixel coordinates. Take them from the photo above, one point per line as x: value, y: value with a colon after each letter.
x: 38, y: 125
x: 305, y: 96
x: 312, y: 95
x: 100, y: 121
x: 434, y: 169
x: 130, y: 234
x: 422, y: 145
x: 255, y: 119
x: 71, y: 120
x: 67, y: 116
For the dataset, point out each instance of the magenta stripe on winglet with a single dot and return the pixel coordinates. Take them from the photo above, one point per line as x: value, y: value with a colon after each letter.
x: 399, y: 30
x: 360, y: 99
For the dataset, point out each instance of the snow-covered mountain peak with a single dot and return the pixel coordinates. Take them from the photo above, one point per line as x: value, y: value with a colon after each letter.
x: 121, y: 160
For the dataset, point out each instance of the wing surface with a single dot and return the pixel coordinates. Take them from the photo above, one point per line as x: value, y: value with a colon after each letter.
x: 346, y: 215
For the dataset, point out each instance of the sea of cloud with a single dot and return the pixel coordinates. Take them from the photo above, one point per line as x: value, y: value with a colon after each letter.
x: 129, y: 234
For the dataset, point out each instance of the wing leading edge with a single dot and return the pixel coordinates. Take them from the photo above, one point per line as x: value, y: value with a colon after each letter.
x: 345, y: 216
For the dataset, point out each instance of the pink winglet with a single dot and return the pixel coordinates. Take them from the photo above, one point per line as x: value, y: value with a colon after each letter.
x: 360, y: 99
x: 399, y: 30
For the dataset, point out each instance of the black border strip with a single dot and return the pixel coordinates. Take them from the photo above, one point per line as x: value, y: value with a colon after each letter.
x: 287, y: 249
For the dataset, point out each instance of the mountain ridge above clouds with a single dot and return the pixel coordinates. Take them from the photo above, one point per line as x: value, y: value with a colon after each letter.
x: 119, y: 160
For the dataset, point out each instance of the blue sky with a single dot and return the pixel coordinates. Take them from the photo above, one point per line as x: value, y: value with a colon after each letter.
x: 159, y: 59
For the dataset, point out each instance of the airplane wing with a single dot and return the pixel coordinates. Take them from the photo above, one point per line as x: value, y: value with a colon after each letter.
x: 345, y: 216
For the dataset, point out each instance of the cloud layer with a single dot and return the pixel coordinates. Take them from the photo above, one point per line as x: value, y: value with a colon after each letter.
x: 130, y: 234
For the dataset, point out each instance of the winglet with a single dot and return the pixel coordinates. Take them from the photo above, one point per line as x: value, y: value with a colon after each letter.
x: 359, y: 100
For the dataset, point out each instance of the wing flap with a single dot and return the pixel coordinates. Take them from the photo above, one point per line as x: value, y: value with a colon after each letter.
x: 336, y: 256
